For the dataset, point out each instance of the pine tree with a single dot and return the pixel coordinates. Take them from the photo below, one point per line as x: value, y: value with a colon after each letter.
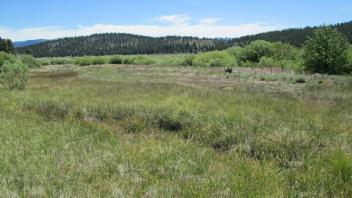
x: 7, y: 46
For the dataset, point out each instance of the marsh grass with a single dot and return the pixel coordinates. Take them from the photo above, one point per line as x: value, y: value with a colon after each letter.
x: 133, y: 131
x: 56, y: 74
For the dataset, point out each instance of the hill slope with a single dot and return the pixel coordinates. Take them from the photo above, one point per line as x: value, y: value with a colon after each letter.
x: 113, y: 43
x: 120, y: 43
x: 295, y: 36
x: 28, y: 43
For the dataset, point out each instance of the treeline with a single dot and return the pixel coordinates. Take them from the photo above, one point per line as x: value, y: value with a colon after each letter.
x: 257, y: 54
x: 327, y: 51
x: 296, y: 37
x: 118, y: 43
x: 7, y: 46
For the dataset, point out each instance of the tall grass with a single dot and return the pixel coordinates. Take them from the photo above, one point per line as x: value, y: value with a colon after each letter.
x: 115, y: 131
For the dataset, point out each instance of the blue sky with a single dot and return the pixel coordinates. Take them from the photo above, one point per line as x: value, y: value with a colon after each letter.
x: 31, y: 19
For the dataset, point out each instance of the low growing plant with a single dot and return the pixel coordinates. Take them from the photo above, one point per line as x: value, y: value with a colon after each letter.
x: 97, y: 61
x: 83, y: 61
x: 29, y: 61
x: 214, y: 59
x: 115, y: 60
x: 14, y: 75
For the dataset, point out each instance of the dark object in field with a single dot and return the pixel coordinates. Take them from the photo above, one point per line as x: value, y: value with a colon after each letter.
x: 300, y: 80
x: 169, y: 124
x: 228, y: 70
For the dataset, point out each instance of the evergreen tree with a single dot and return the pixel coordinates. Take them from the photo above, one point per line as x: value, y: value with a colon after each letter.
x: 2, y: 45
x: 7, y: 46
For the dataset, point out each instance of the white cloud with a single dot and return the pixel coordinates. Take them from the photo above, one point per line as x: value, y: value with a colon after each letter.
x: 177, y: 19
x: 179, y: 26
x: 209, y: 21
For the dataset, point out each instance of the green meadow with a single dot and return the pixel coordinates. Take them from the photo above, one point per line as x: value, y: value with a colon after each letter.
x: 162, y: 131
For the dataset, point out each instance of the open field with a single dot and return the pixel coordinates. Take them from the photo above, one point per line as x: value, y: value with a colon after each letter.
x: 155, y: 131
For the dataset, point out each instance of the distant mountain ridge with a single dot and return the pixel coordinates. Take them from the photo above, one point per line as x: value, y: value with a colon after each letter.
x: 28, y: 42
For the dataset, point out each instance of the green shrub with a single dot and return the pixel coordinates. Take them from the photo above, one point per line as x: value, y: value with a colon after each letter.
x: 216, y: 62
x: 59, y: 61
x: 267, y: 62
x: 264, y: 54
x: 97, y: 60
x: 14, y: 75
x: 256, y: 50
x: 284, y: 63
x: 6, y: 57
x: 235, y: 51
x: 214, y: 59
x: 127, y: 60
x: 187, y: 61
x: 44, y: 62
x: 115, y: 60
x: 326, y: 52
x: 296, y: 65
x: 283, y: 51
x: 29, y: 61
x: 83, y: 61
x: 247, y: 64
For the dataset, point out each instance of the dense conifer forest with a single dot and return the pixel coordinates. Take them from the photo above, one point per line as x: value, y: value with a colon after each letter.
x: 295, y: 36
x: 121, y: 43
x: 113, y: 43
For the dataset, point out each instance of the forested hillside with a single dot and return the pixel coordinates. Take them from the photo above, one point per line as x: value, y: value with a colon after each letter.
x: 120, y: 43
x: 295, y: 37
x: 113, y: 43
